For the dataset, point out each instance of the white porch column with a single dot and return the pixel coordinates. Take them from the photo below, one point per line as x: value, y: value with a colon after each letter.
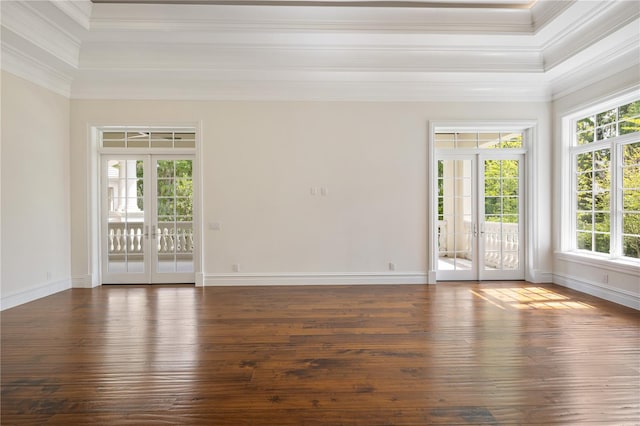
x: 122, y: 186
x: 132, y: 189
x: 127, y: 187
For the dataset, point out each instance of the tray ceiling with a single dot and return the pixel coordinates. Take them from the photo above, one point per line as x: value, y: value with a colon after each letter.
x: 497, y: 4
x: 512, y: 50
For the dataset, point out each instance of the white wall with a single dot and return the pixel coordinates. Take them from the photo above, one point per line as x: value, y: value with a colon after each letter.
x: 35, y: 192
x: 609, y: 280
x: 260, y: 160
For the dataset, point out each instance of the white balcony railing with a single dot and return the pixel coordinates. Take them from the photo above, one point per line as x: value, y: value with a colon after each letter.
x: 501, y: 243
x: 128, y: 238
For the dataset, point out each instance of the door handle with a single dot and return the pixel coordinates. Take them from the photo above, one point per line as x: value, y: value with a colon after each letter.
x: 146, y: 232
x: 153, y: 232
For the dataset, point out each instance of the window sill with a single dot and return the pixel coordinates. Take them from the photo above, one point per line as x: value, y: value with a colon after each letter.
x: 614, y: 265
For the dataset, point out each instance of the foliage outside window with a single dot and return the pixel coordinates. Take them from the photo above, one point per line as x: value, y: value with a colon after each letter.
x: 175, y: 190
x: 501, y: 191
x: 606, y: 160
x: 501, y: 176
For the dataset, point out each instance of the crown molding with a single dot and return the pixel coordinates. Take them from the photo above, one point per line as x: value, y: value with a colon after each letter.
x: 337, y: 58
x: 33, y: 22
x: 508, y: 4
x: 78, y: 10
x: 25, y: 66
x: 222, y: 52
x: 216, y: 18
x: 443, y: 87
x: 592, y: 70
x: 598, y: 21
x: 544, y: 12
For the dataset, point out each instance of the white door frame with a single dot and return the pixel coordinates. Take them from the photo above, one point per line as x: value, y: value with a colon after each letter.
x: 531, y: 218
x: 93, y: 196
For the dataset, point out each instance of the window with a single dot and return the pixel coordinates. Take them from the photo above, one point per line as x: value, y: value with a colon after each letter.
x: 148, y: 138
x: 478, y: 140
x: 605, y: 156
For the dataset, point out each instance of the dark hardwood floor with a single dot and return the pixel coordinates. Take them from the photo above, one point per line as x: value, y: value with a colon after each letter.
x: 455, y: 353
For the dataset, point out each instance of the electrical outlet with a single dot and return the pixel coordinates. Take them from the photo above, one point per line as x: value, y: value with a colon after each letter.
x: 48, y: 275
x: 236, y: 267
x: 605, y: 278
x: 392, y: 266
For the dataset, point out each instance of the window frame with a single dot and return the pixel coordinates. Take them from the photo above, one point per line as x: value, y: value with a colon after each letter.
x: 568, y: 223
x: 533, y: 222
x: 149, y: 148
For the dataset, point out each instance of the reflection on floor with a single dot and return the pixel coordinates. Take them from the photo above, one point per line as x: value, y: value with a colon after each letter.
x: 528, y: 298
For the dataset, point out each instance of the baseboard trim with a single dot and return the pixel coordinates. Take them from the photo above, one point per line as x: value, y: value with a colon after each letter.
x: 542, y: 277
x: 615, y: 295
x: 30, y: 295
x: 199, y: 279
x: 82, y: 281
x: 313, y: 279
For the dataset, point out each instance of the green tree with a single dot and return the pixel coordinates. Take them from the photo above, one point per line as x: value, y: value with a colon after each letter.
x: 174, y: 189
x: 594, y: 185
x: 631, y: 200
x: 501, y: 190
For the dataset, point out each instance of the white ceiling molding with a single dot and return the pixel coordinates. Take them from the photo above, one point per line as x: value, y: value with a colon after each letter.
x: 216, y: 18
x: 30, y: 21
x: 163, y: 86
x: 544, y: 12
x: 78, y: 10
x: 338, y: 58
x: 597, y: 21
x: 503, y: 4
x: 506, y: 50
x: 25, y: 66
x: 603, y: 59
x: 41, y: 42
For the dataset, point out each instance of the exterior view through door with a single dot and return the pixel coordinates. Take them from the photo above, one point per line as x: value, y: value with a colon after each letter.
x: 147, y: 214
x: 480, y: 222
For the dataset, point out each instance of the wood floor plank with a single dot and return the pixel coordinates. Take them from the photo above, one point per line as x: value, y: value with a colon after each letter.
x: 498, y: 353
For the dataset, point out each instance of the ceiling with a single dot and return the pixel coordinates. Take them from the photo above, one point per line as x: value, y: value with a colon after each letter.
x: 437, y: 50
x: 468, y: 4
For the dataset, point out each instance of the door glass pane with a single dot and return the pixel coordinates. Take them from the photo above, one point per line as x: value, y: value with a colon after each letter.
x: 125, y: 224
x: 631, y: 199
x: 500, y: 236
x: 455, y: 214
x: 174, y: 215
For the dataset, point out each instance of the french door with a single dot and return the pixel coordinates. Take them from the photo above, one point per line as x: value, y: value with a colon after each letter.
x: 480, y: 217
x: 147, y: 232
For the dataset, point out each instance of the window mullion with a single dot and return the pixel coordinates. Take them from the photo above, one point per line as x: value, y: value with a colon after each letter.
x: 616, y: 193
x: 616, y: 200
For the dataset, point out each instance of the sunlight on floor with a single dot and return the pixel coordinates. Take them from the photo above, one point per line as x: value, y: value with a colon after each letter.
x: 528, y: 298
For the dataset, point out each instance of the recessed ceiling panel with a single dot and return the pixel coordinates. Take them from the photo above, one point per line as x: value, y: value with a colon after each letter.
x: 492, y: 4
